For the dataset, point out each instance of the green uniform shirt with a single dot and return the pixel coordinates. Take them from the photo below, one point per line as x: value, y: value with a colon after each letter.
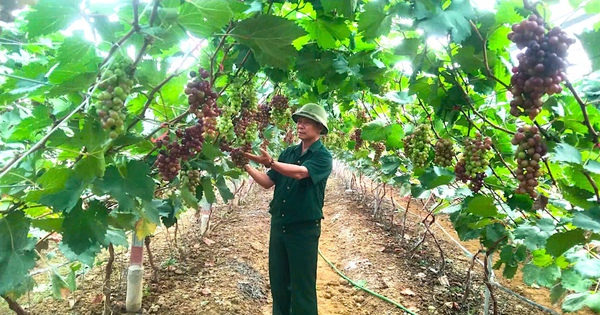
x: 297, y: 201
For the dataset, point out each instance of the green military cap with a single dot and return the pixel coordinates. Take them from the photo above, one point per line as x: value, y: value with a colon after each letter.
x: 314, y: 112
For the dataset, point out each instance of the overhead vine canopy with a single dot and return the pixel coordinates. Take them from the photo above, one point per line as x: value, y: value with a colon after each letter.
x: 115, y: 116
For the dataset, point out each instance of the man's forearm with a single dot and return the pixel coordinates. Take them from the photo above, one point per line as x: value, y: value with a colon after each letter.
x: 261, y: 178
x: 290, y: 170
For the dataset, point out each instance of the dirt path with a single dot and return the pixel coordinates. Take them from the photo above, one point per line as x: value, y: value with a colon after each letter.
x: 226, y: 272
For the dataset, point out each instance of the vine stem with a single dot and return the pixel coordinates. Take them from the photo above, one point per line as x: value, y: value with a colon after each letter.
x: 586, y: 118
x: 14, y: 306
x: 106, y: 285
x: 485, y: 57
x: 593, y: 183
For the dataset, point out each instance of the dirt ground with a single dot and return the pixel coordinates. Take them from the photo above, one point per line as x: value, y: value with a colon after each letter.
x: 225, y: 273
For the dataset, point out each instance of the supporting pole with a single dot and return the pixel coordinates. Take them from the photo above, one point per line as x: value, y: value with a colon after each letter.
x: 135, y: 275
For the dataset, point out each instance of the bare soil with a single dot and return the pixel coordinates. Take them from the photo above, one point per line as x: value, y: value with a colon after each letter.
x: 225, y: 273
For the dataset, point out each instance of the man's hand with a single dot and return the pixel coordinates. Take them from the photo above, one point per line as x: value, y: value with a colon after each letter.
x: 264, y: 158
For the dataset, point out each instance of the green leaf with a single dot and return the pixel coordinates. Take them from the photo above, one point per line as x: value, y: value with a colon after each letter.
x: 556, y: 293
x: 39, y: 122
x: 560, y: 242
x: 453, y: 20
x: 210, y: 151
x: 575, y: 302
x: 532, y: 236
x: 137, y: 182
x: 270, y: 38
x: 566, y: 153
x: 482, y: 206
x: 374, y: 22
x: 50, y: 16
x: 48, y: 224
x: 572, y: 280
x: 223, y: 189
x: 373, y: 131
x: 592, y: 167
x: 17, y: 255
x: 436, y: 176
x: 589, y: 219
x: 588, y: 267
x: 543, y: 276
x: 326, y: 32
x: 84, y: 231
x: 188, y: 198
x: 113, y: 184
x: 203, y: 17
x: 75, y: 48
x: 343, y: 7
x: 589, y: 41
x: 577, y: 196
x: 208, y: 190
x: 168, y: 213
x: 390, y: 164
x: 58, y: 285
x: 66, y: 199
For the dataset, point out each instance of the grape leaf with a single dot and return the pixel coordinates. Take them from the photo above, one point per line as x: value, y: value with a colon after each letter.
x: 84, y: 231
x: 588, y: 267
x: 50, y: 16
x: 64, y: 200
x: 566, y: 153
x: 589, y: 41
x: 203, y: 17
x: 577, y: 301
x: 592, y: 166
x: 453, y: 20
x: 436, y: 176
x: 17, y: 255
x: 374, y: 22
x: 532, y: 236
x: 589, y: 219
x: 559, y: 243
x: 482, y: 206
x: 543, y: 276
x: 343, y: 7
x: 270, y: 38
x: 224, y: 191
x: 572, y: 280
x: 137, y: 182
x: 208, y: 189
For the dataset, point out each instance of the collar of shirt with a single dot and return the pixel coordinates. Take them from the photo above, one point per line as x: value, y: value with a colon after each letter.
x: 313, y: 147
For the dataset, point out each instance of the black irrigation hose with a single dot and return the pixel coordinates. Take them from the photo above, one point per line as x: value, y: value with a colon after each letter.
x: 365, y: 289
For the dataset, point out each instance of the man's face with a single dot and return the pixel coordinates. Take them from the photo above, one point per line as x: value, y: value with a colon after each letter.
x: 308, y: 128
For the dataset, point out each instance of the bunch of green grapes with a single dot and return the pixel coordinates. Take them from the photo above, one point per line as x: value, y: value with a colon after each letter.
x: 477, y: 154
x: 114, y: 86
x: 417, y: 145
x: 192, y: 180
x: 444, y: 152
x: 280, y: 111
x: 531, y: 148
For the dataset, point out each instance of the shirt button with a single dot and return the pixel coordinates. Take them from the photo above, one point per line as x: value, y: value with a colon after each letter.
x: 282, y: 215
x: 288, y: 187
x: 284, y: 201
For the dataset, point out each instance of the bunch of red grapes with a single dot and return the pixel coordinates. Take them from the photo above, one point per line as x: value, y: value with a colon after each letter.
x: 531, y: 148
x: 541, y: 66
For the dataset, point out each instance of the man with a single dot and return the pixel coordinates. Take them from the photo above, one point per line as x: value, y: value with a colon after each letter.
x: 299, y: 175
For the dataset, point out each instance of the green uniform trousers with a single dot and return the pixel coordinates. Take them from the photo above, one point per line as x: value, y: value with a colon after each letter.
x: 293, y: 254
